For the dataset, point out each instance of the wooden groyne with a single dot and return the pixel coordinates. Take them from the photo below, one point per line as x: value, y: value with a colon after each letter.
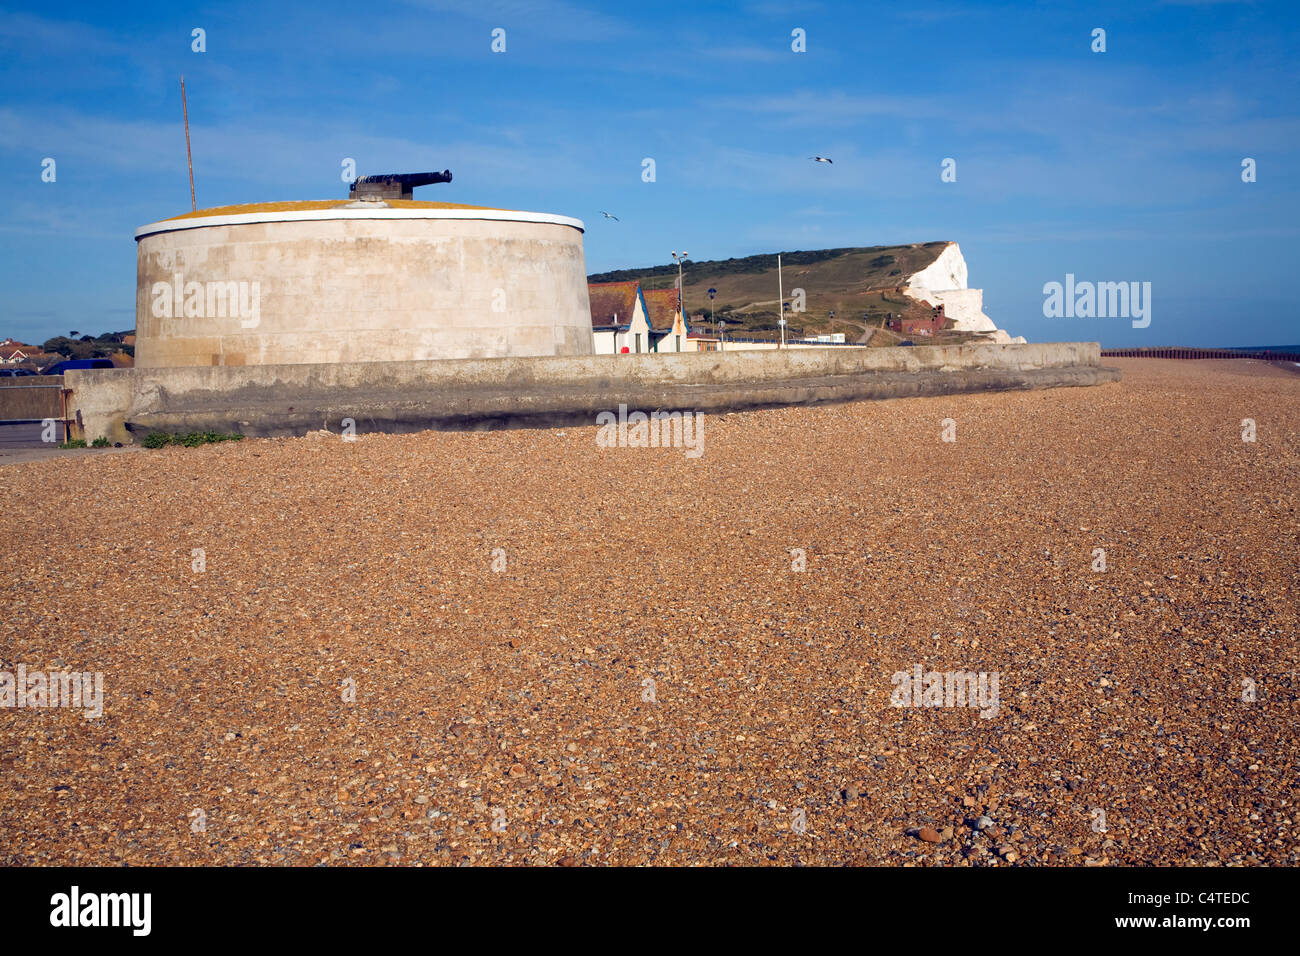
x: 1267, y: 355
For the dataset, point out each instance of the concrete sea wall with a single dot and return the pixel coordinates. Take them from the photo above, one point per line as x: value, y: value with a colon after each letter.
x: 406, y: 396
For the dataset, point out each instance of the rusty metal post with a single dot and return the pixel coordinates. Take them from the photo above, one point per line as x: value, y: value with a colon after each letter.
x: 188, y: 158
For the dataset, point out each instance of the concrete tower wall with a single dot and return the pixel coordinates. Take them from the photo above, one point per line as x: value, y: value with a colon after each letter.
x: 348, y: 285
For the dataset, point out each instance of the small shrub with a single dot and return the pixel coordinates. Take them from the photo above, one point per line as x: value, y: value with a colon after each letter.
x: 100, y: 442
x: 194, y: 439
x: 189, y: 439
x: 74, y: 443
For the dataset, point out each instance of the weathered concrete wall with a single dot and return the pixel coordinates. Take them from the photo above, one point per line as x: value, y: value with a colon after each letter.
x: 291, y: 399
x: 352, y: 289
x: 101, y: 400
x: 488, y: 407
x: 732, y: 346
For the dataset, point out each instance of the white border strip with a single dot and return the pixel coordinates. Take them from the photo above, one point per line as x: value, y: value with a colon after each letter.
x: 319, y: 215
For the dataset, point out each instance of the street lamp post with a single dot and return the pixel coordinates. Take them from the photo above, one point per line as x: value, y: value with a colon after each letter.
x: 681, y: 292
x: 780, y: 299
x: 712, y: 293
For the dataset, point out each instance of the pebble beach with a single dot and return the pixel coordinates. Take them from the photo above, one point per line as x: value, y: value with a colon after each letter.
x: 523, y: 647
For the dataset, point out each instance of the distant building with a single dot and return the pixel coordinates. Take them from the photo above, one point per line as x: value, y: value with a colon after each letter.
x: 618, y: 317
x: 36, y: 358
x: 627, y: 318
x: 668, y: 329
x: 936, y: 321
x: 12, y: 351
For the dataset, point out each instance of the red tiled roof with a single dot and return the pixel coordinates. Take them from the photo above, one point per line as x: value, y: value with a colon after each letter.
x: 661, y: 304
x: 611, y: 299
x: 35, y: 356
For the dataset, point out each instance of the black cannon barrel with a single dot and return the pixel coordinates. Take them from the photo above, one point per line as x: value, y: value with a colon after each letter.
x: 408, y: 180
x: 395, y: 185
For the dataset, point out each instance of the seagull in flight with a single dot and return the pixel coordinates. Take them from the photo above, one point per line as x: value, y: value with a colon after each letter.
x: 821, y: 159
x: 609, y: 215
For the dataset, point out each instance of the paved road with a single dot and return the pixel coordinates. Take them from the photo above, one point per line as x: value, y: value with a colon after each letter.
x: 19, y: 443
x: 22, y: 436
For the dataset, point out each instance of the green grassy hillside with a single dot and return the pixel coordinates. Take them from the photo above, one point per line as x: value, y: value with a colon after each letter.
x: 858, y: 284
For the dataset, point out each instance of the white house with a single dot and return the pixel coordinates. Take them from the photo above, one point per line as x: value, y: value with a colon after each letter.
x: 619, y: 318
x: 627, y: 318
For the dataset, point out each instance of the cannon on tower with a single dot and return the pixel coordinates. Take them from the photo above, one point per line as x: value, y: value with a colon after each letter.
x: 394, y: 185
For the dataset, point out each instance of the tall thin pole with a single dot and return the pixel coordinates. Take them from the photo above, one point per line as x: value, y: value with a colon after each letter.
x: 681, y: 304
x: 189, y: 159
x: 780, y: 299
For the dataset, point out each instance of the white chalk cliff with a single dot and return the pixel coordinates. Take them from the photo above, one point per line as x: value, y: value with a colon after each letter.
x: 943, y: 282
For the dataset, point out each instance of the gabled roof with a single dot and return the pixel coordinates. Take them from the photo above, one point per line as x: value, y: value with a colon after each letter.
x: 610, y: 300
x: 660, y: 307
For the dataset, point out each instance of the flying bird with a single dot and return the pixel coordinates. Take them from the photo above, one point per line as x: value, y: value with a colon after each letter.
x: 821, y: 159
x: 609, y: 215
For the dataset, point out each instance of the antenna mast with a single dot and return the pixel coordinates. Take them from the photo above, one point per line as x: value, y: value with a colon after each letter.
x: 189, y: 159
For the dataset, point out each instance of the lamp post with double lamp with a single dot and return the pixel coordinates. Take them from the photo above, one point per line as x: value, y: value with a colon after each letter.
x: 681, y: 292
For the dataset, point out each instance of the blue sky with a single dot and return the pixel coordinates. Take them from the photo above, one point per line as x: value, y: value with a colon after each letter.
x: 1115, y: 166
